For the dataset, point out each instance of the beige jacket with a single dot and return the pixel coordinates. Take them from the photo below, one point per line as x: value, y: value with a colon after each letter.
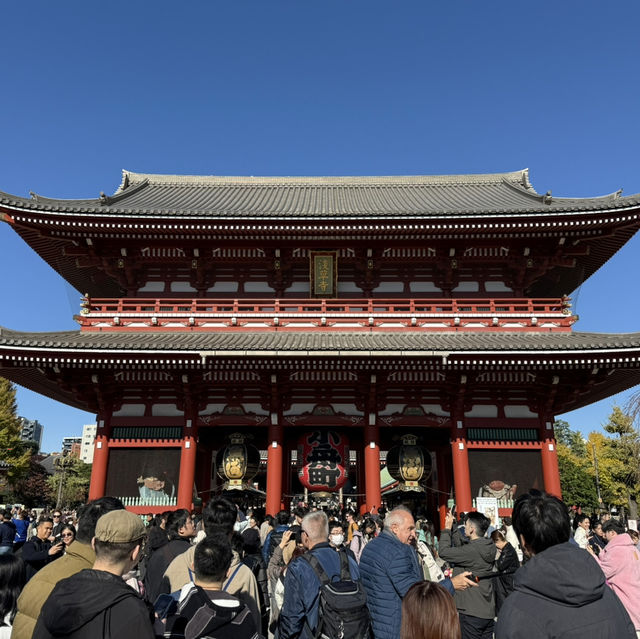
x: 77, y: 557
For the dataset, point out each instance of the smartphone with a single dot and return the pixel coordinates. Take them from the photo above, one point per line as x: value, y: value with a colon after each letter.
x: 164, y: 606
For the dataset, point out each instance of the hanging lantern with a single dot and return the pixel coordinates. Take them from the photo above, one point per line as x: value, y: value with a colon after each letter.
x: 238, y: 463
x: 323, y: 458
x: 409, y: 463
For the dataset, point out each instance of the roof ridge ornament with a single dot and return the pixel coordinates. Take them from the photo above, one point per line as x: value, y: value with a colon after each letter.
x: 547, y: 198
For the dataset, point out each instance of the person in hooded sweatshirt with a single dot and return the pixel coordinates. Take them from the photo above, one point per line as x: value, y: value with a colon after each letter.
x: 476, y: 605
x: 561, y: 591
x: 97, y: 602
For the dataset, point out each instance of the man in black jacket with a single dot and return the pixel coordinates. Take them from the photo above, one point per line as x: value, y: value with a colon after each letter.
x: 38, y: 551
x: 7, y: 533
x: 561, y: 591
x: 181, y: 531
x: 98, y: 602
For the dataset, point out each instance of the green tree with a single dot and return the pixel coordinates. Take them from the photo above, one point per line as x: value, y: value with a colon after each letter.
x: 622, y: 452
x: 577, y: 478
x: 572, y: 439
x: 12, y: 451
x: 75, y: 476
x: 34, y: 489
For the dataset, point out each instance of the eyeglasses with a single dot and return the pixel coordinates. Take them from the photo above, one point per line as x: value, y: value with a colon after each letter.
x: 66, y: 535
x: 57, y: 516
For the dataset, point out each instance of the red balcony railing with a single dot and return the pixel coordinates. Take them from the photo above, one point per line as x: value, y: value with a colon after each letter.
x: 307, y: 314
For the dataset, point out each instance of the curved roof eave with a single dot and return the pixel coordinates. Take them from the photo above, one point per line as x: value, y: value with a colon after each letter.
x: 332, y: 198
x: 356, y: 344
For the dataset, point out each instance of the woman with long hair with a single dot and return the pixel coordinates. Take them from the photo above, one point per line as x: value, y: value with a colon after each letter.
x: 507, y: 563
x: 67, y: 535
x: 429, y: 612
x: 12, y: 579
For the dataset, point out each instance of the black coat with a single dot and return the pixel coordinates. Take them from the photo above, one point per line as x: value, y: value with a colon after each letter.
x: 7, y: 533
x: 92, y: 604
x: 35, y: 554
x: 507, y: 564
x: 561, y: 592
x: 154, y: 583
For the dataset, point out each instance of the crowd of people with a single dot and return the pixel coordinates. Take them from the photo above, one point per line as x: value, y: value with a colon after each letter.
x: 232, y: 572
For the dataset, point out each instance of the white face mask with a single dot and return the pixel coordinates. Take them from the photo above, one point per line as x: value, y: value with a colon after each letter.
x: 337, y: 540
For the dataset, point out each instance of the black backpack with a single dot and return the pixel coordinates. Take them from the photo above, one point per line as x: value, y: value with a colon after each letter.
x: 274, y: 541
x: 342, y: 607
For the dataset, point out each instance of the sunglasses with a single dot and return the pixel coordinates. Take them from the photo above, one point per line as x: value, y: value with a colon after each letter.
x: 66, y: 535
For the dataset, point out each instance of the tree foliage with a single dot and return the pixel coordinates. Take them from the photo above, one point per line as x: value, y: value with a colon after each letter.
x: 617, y: 454
x: 75, y: 476
x: 577, y: 478
x: 620, y: 457
x: 34, y: 489
x: 12, y: 450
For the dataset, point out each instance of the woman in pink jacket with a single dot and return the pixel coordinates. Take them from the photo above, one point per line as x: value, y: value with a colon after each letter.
x: 620, y: 562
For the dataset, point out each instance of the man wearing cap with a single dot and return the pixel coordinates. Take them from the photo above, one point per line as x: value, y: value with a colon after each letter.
x: 78, y: 556
x: 97, y: 602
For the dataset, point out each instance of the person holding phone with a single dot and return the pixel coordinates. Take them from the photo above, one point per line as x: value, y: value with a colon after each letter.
x: 476, y: 605
x: 39, y: 551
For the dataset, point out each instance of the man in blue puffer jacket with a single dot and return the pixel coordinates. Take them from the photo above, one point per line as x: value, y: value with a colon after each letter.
x: 299, y: 614
x: 389, y: 567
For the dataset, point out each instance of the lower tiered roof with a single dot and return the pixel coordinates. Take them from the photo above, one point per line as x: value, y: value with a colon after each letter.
x: 585, y: 367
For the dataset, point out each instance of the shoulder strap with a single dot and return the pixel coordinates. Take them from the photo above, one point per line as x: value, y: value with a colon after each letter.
x: 317, y: 567
x: 345, y: 573
x: 232, y: 576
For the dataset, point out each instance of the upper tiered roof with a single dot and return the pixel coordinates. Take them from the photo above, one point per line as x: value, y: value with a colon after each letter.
x: 387, y: 197
x: 560, y: 241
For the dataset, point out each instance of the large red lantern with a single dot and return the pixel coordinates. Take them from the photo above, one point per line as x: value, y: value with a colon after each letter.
x: 323, y: 458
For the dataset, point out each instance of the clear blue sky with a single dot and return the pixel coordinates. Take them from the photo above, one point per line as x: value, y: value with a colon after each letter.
x: 349, y: 87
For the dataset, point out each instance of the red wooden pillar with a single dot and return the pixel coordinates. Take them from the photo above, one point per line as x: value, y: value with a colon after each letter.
x: 550, y: 471
x: 444, y: 482
x: 187, y: 467
x: 100, y: 462
x: 287, y: 487
x: 203, y: 474
x: 549, y: 458
x: 361, y: 479
x: 274, y: 466
x: 373, y: 495
x: 461, y: 479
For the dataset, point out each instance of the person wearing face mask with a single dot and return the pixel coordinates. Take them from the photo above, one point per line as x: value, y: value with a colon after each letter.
x: 336, y: 535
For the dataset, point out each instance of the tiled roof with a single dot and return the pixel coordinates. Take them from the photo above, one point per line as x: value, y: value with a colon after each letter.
x: 390, y: 197
x: 300, y: 343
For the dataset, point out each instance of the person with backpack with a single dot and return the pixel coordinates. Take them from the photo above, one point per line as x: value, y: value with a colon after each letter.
x: 323, y: 595
x: 275, y: 536
x: 362, y: 537
x: 204, y: 608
